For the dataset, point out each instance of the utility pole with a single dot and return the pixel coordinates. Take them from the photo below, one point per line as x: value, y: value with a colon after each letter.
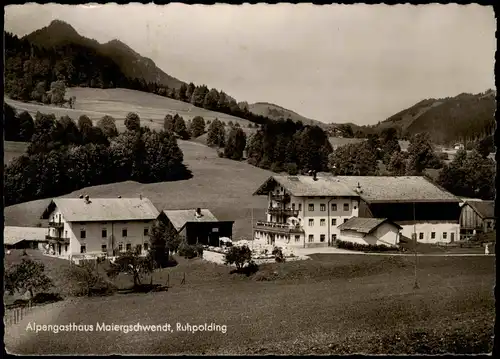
x: 415, y: 286
x: 253, y: 234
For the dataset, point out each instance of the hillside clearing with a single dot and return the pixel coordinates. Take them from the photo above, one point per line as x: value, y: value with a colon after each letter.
x: 221, y: 185
x: 333, y: 304
x: 117, y: 103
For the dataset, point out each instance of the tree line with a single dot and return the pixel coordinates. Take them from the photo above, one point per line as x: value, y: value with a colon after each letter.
x: 32, y: 74
x: 64, y: 156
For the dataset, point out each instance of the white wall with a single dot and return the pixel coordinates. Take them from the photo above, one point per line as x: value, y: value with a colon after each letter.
x: 94, y: 240
x: 281, y: 240
x: 438, y: 228
x: 386, y: 234
x: 316, y: 230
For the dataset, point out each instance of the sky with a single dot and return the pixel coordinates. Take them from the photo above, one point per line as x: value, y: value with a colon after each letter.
x: 332, y: 63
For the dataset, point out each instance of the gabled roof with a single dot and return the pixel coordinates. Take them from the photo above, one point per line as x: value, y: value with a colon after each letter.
x: 306, y: 186
x: 179, y: 217
x: 13, y: 235
x: 484, y: 209
x: 103, y: 209
x: 381, y: 189
x: 364, y: 225
x: 392, y: 189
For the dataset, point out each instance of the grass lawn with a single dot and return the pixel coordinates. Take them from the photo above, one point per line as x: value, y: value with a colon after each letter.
x: 117, y: 103
x: 13, y: 149
x: 221, y: 185
x: 333, y: 304
x: 429, y: 248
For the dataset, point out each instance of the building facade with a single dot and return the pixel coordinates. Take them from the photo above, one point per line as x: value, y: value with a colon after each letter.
x: 370, y: 231
x: 305, y: 211
x: 198, y: 226
x: 477, y: 217
x: 84, y: 227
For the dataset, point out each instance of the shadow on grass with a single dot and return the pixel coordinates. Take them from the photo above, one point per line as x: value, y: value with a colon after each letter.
x: 144, y: 288
x: 248, y: 270
x: 38, y: 299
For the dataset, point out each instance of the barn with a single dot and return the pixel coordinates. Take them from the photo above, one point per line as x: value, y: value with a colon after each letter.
x: 198, y: 226
x: 24, y: 237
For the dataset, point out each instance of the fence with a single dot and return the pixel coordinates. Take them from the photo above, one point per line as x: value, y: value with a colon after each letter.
x: 14, y: 314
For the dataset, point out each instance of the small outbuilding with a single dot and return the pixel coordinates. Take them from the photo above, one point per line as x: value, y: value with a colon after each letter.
x: 370, y: 231
x: 198, y: 226
x: 24, y: 237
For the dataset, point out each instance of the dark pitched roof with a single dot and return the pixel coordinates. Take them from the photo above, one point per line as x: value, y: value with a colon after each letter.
x: 364, y: 225
x: 179, y: 217
x: 485, y: 209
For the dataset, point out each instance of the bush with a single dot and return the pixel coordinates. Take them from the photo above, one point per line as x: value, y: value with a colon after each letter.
x: 238, y: 256
x: 189, y: 251
x: 41, y: 298
x: 365, y: 247
x: 276, y: 167
x: 278, y: 255
x: 292, y: 169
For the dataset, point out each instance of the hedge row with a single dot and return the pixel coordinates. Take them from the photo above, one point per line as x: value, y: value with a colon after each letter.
x: 365, y: 247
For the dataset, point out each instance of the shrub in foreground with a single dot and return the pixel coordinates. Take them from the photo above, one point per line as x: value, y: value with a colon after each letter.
x: 364, y: 247
x: 239, y: 256
x: 189, y: 251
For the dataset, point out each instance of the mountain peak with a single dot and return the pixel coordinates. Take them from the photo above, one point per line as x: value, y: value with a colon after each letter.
x: 60, y: 25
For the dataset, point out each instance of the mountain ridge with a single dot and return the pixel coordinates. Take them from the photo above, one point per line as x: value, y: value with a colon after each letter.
x: 131, y: 63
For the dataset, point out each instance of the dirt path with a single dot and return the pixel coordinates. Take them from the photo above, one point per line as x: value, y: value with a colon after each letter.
x: 16, y: 334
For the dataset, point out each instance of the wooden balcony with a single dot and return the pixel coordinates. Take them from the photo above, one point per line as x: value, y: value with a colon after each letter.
x: 56, y: 224
x: 277, y: 227
x: 53, y: 239
x: 283, y: 211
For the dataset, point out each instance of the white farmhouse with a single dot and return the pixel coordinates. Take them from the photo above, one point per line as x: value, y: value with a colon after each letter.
x: 370, y: 231
x: 305, y: 211
x: 90, y: 227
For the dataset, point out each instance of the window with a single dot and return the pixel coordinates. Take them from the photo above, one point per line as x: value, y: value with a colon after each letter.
x: 346, y: 206
x: 334, y: 221
x: 444, y: 235
x: 65, y: 234
x: 293, y: 205
x: 83, y: 249
x: 433, y: 235
x: 322, y: 222
x: 65, y: 247
x: 322, y: 238
x: 129, y: 246
x: 311, y: 222
x: 104, y: 248
x: 311, y: 238
x: 322, y: 207
x: 139, y: 248
x: 83, y: 234
x: 120, y: 247
x: 346, y: 219
x: 421, y: 235
x: 146, y: 231
x: 146, y: 246
x: 215, y: 230
x: 334, y: 207
x: 104, y: 233
x: 311, y: 207
x: 488, y: 224
x: 334, y: 237
x: 124, y: 232
x: 452, y: 235
x: 297, y: 238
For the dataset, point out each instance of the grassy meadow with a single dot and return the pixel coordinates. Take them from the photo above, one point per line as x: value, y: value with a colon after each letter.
x: 332, y: 304
x: 117, y: 103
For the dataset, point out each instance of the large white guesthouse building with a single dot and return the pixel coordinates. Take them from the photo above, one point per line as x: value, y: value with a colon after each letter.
x: 305, y: 211
x: 90, y: 227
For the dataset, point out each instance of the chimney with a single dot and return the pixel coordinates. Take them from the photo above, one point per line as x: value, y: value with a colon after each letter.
x: 81, y: 196
x: 358, y: 189
x: 119, y: 196
x: 87, y: 198
x: 140, y: 196
x: 197, y: 212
